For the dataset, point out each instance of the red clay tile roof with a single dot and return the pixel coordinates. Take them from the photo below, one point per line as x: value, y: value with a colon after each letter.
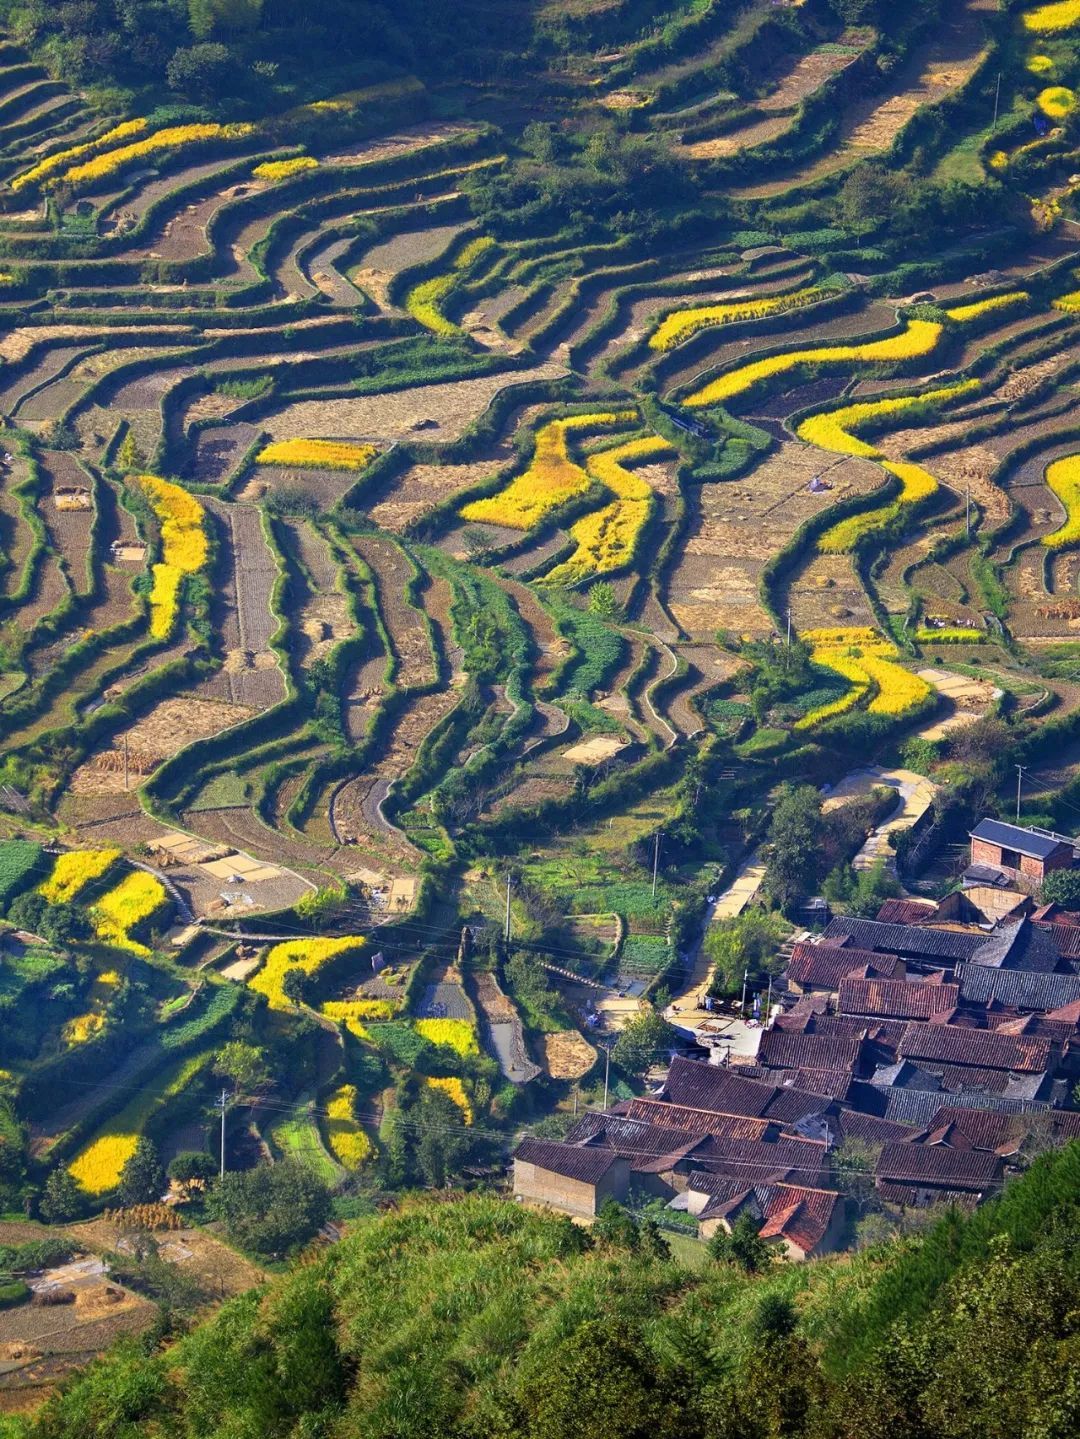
x: 808, y: 1051
x: 799, y: 1214
x: 698, y: 1085
x: 696, y: 1121
x: 906, y: 911
x: 872, y: 1129
x: 991, y: 1130
x: 897, y: 998
x: 825, y: 965
x: 571, y: 1161
x: 981, y: 1048
x: 938, y: 1167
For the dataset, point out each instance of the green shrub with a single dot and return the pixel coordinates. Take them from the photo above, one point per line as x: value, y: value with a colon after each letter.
x: 20, y: 864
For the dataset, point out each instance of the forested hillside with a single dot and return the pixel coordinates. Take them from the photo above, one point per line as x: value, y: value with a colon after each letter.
x: 459, y: 1318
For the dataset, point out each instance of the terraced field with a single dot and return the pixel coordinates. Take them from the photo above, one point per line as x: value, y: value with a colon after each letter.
x: 382, y: 523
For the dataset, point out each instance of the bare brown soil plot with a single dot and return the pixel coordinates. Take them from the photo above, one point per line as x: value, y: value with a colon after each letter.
x: 422, y: 487
x: 248, y: 624
x: 323, y: 620
x: 68, y: 512
x: 871, y: 125
x: 808, y: 74
x: 408, y: 634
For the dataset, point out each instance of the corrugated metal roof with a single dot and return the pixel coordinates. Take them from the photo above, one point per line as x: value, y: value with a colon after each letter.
x: 1013, y: 836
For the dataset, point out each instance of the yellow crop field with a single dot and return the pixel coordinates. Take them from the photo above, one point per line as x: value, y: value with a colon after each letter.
x: 184, y: 548
x: 985, y: 307
x: 275, y: 170
x: 455, y: 1090
x: 948, y: 635
x: 867, y: 660
x: 1049, y: 19
x: 349, y: 1143
x: 832, y: 431
x: 83, y: 1026
x: 317, y: 454
x: 918, y: 338
x: 455, y: 1034
x: 96, y: 1168
x: 73, y: 871
x: 551, y: 479
x: 1057, y: 101
x: 307, y: 954
x: 916, y: 484
x: 49, y: 166
x: 682, y: 325
x: 353, y: 1012
x: 1063, y: 477
x: 423, y: 302
x: 608, y: 538
x: 134, y: 900
x: 173, y: 137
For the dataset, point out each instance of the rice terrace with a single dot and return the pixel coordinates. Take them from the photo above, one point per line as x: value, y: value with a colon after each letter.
x: 468, y: 474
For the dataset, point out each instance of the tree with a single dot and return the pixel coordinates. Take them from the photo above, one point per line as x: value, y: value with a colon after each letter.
x: 645, y: 1040
x: 272, y: 1208
x: 127, y: 457
x: 245, y: 1064
x: 747, y: 944
x: 192, y: 1167
x: 441, y: 1143
x: 1062, y: 886
x: 142, y: 1179
x: 61, y: 1199
x: 296, y: 984
x: 793, y: 855
x: 854, y: 1162
x: 743, y: 1247
x: 204, y: 71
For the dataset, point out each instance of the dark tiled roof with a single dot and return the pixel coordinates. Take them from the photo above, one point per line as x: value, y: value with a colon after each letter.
x: 915, y: 940
x: 993, y: 1130
x: 984, y: 1049
x: 801, y: 1160
x: 633, y: 1139
x: 913, y: 1196
x: 1013, y: 836
x: 1019, y: 944
x: 897, y: 998
x: 698, y: 1085
x: 1067, y: 939
x: 825, y: 965
x: 918, y: 1106
x: 872, y: 1129
x: 573, y: 1161
x: 835, y: 1083
x: 778, y: 1050
x: 1017, y: 988
x: 938, y: 1166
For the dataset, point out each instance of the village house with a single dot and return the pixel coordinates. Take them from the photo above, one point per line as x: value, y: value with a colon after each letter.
x: 1024, y: 856
x: 915, y: 1176
x: 572, y: 1178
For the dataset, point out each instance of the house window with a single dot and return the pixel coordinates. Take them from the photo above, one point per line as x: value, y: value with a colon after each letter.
x: 1010, y: 859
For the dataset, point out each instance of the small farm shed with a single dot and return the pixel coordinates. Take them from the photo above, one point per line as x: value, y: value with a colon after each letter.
x: 573, y: 1178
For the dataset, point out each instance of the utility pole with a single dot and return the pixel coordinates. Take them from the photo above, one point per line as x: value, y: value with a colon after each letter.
x: 223, y: 1104
x: 506, y: 931
x: 997, y: 101
x: 655, y: 862
x: 967, y: 511
x: 742, y: 1002
x: 125, y: 761
x: 789, y: 624
x: 768, y: 1004
x: 607, y: 1069
x: 1020, y: 769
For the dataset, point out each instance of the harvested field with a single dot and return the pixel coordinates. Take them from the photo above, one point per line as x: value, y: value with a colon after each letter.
x: 382, y: 419
x: 408, y: 634
x: 567, y: 1055
x: 251, y: 672
x: 737, y: 526
x: 136, y: 752
x: 422, y: 487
